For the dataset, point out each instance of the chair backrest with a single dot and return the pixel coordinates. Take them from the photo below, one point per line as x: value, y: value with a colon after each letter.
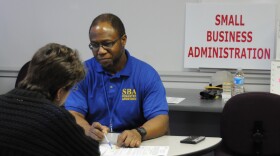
x: 22, y: 73
x: 250, y: 124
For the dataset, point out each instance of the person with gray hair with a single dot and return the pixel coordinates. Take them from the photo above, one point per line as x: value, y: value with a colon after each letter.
x: 31, y: 121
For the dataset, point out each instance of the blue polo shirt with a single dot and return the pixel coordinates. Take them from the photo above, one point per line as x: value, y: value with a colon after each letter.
x: 128, y: 98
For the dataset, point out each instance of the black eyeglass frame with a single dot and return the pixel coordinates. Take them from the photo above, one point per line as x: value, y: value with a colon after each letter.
x: 108, y: 45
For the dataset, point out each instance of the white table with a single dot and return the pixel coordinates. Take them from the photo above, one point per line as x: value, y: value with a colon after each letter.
x: 177, y: 148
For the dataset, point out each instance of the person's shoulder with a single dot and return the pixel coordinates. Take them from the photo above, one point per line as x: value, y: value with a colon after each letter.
x: 62, y: 112
x: 55, y: 112
x: 59, y: 124
x: 90, y: 65
x: 56, y: 117
x: 141, y: 64
x: 147, y: 74
x: 144, y: 69
x: 90, y: 62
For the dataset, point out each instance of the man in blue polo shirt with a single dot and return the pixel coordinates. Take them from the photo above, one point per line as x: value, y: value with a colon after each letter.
x: 119, y: 93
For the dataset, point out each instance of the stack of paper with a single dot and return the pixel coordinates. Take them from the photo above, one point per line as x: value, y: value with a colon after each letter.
x: 106, y: 150
x: 174, y: 100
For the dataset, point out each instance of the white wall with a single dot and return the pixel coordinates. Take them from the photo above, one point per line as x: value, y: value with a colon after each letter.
x: 7, y: 81
x: 155, y: 30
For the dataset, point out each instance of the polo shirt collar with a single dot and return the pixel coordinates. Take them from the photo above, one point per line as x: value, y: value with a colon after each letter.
x: 126, y: 71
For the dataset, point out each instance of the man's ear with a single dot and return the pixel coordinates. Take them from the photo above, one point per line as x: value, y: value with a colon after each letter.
x: 123, y: 40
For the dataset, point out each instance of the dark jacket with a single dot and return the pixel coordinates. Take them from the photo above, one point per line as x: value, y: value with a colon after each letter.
x: 30, y: 124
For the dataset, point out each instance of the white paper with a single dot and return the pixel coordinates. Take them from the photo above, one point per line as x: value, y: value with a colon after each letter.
x: 106, y: 150
x: 275, y: 77
x: 174, y: 100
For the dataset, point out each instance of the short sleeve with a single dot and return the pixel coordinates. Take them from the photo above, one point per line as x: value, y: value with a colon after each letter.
x: 77, y: 98
x: 154, y: 102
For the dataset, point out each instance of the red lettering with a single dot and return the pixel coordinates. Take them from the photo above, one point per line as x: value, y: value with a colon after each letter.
x: 196, y: 51
x: 241, y: 21
x: 209, y: 36
x: 267, y: 53
x: 226, y: 53
x: 217, y: 20
x: 221, y: 36
x: 229, y: 36
x: 254, y: 57
x: 224, y: 19
x: 249, y: 35
x: 229, y: 20
x: 260, y: 53
x: 237, y: 35
x: 243, y: 36
x: 243, y: 54
x: 215, y: 53
x: 203, y: 51
x: 190, y: 52
x: 237, y: 51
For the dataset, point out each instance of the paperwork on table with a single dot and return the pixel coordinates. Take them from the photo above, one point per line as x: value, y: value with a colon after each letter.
x: 174, y: 100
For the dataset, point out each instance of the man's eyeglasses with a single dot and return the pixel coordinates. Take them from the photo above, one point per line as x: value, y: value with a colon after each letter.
x: 94, y: 46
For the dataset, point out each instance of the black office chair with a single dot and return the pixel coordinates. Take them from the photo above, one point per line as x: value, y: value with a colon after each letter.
x: 22, y: 73
x: 250, y: 125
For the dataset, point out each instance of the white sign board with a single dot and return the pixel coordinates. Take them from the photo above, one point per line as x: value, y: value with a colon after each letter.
x: 229, y: 35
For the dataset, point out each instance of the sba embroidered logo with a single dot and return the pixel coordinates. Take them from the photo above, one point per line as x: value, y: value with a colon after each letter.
x: 128, y: 94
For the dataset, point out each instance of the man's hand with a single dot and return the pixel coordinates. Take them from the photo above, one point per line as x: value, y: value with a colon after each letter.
x: 97, y: 131
x: 129, y: 138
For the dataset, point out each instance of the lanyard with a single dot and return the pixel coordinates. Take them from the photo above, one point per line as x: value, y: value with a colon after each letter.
x: 107, y: 102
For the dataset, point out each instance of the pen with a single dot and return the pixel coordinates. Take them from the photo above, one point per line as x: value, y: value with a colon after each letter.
x: 108, y: 141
